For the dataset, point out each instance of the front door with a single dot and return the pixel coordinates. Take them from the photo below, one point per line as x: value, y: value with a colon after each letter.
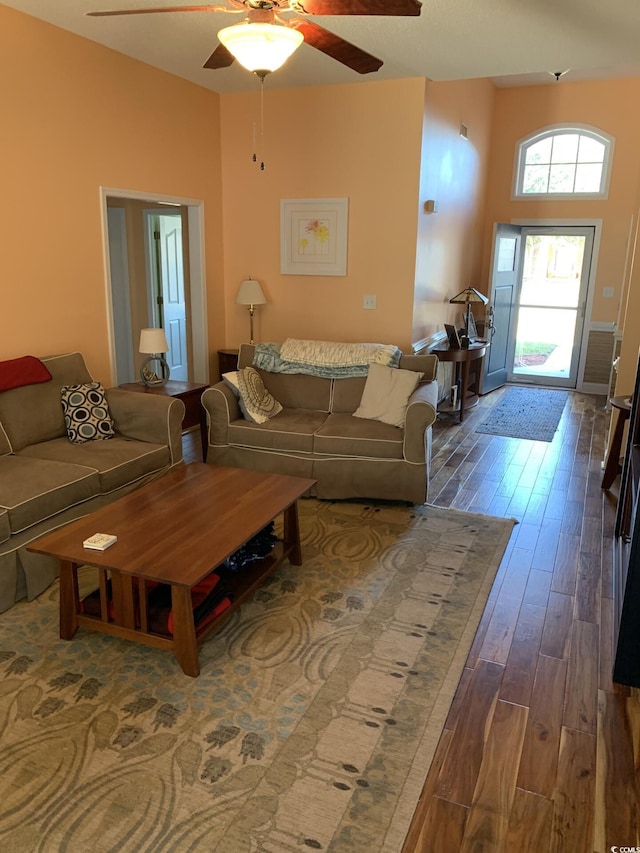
x: 504, y: 286
x: 547, y: 323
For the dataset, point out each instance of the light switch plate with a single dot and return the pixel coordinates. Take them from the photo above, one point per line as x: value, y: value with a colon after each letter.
x: 370, y: 302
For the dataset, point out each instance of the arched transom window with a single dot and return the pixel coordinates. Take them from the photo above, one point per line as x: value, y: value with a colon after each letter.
x: 564, y: 162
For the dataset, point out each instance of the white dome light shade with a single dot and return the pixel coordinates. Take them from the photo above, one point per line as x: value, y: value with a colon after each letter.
x: 260, y: 47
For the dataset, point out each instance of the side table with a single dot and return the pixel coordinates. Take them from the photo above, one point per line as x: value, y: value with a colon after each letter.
x: 227, y: 360
x: 463, y: 359
x: 189, y: 393
x: 613, y: 467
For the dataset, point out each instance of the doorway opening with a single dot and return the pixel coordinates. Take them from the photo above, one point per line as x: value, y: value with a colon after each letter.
x: 550, y: 306
x: 539, y: 301
x: 154, y: 273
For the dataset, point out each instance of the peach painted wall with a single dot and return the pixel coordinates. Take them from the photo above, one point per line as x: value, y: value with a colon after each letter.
x: 77, y: 116
x: 359, y: 141
x: 453, y: 174
x: 604, y: 104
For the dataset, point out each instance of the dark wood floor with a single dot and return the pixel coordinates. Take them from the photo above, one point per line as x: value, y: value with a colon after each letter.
x: 541, y: 751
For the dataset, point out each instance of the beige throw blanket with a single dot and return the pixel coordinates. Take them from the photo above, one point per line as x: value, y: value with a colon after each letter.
x: 330, y: 354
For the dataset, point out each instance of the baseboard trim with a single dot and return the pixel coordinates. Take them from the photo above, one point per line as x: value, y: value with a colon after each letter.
x: 594, y: 388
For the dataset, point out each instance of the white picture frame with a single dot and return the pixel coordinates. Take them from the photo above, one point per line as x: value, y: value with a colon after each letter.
x: 313, y: 236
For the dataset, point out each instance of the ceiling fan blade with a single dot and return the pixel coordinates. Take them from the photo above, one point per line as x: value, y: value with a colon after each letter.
x: 335, y: 47
x: 159, y: 9
x: 220, y: 58
x: 356, y: 7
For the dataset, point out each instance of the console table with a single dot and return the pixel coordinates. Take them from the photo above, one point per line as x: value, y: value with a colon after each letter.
x: 622, y: 405
x: 462, y: 360
x: 190, y: 394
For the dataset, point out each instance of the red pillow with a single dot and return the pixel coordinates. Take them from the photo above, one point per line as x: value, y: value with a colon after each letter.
x: 27, y: 370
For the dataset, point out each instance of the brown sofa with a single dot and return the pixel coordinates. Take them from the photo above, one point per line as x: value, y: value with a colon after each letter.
x: 317, y: 436
x: 46, y: 481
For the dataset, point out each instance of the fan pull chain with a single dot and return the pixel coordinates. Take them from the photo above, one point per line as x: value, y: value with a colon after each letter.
x: 261, y: 124
x: 254, y: 156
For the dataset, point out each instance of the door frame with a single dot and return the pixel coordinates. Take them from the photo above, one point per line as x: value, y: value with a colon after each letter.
x: 588, y: 326
x: 198, y: 325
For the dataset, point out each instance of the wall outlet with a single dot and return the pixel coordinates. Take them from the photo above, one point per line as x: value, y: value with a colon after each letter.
x: 369, y: 302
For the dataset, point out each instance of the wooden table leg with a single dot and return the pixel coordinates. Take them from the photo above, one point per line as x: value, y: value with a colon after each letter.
x: 123, y: 604
x: 69, y: 599
x: 292, y: 534
x: 612, y: 468
x: 185, y: 645
x: 464, y: 387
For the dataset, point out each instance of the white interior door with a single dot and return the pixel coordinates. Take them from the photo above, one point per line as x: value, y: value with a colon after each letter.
x: 168, y: 302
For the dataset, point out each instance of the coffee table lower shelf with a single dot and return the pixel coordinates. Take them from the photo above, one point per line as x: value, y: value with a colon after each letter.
x: 187, y: 635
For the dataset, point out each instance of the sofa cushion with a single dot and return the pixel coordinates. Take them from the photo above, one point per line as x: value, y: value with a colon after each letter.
x: 5, y: 445
x: 345, y: 435
x: 292, y: 430
x: 5, y: 527
x: 347, y: 394
x: 86, y: 412
x: 256, y: 403
x: 32, y: 490
x: 26, y: 370
x: 299, y: 391
x: 118, y: 462
x: 33, y: 413
x: 386, y: 394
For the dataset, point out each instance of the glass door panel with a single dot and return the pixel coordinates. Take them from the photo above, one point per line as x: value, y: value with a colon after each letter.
x: 550, y: 306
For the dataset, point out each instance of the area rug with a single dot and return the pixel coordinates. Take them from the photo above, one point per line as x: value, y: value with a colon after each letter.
x: 526, y: 413
x: 311, y: 727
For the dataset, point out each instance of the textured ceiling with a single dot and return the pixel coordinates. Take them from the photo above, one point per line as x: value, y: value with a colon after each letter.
x: 515, y: 42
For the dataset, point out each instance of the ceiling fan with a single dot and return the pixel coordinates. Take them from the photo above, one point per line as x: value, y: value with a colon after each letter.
x: 259, y: 29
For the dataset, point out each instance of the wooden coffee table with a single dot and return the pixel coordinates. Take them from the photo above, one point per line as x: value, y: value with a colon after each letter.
x: 174, y: 530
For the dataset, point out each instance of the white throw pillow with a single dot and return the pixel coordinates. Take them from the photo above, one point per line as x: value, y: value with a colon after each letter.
x: 386, y: 394
x: 256, y: 403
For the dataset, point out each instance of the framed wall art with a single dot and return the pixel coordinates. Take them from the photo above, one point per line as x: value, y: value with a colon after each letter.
x: 313, y: 236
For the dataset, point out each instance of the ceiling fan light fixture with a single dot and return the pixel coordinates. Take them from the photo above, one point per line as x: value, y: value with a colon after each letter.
x: 260, y: 48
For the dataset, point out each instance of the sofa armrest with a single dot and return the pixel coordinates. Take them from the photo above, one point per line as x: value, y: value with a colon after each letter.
x: 148, y: 417
x: 221, y: 406
x: 427, y: 364
x: 421, y: 414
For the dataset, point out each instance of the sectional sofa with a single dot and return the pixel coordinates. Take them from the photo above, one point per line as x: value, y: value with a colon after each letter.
x: 46, y: 480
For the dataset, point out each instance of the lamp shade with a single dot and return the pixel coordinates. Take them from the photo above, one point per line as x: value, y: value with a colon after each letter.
x: 260, y: 47
x: 153, y: 341
x: 469, y: 295
x: 250, y: 293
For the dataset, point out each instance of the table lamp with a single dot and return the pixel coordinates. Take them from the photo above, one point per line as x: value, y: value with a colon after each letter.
x: 466, y: 298
x: 154, y: 342
x: 250, y: 293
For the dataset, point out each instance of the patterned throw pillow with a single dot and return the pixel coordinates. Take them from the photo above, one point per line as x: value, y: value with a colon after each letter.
x: 86, y: 412
x: 256, y: 403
